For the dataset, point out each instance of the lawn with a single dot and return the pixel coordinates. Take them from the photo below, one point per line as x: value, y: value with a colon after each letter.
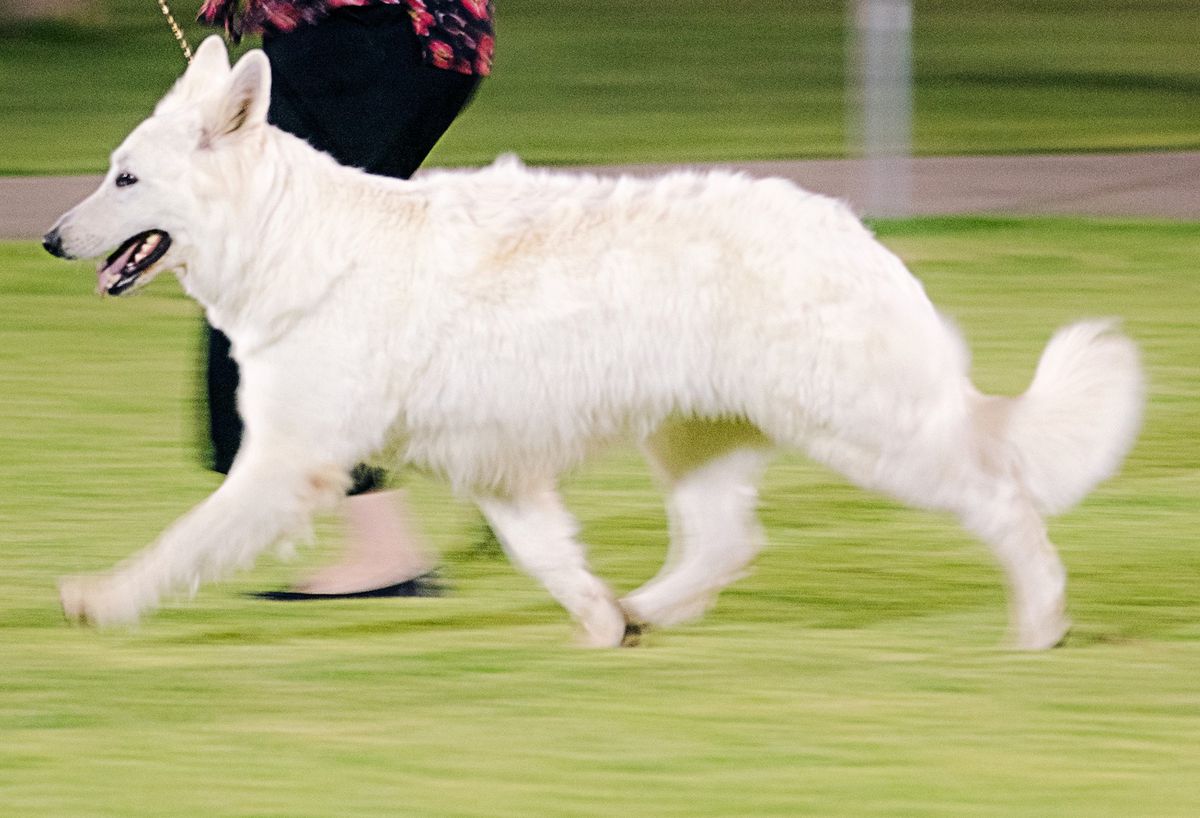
x: 858, y: 672
x: 683, y: 80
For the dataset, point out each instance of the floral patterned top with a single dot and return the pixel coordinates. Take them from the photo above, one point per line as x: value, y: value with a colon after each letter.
x: 457, y: 35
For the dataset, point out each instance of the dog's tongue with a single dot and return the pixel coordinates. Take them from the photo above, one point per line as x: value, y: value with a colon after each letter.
x: 109, y: 274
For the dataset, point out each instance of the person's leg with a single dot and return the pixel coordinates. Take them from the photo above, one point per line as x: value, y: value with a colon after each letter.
x: 383, y: 550
x: 221, y: 381
x: 356, y: 87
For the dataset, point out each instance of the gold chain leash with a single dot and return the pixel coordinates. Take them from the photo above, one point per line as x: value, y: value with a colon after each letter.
x: 176, y: 30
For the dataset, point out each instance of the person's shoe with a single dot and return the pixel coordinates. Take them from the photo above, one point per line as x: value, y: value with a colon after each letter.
x: 424, y: 585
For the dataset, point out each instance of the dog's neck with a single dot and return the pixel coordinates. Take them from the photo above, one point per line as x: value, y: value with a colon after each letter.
x: 251, y: 260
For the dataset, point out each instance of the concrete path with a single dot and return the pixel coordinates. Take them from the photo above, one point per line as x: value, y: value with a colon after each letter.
x: 1153, y: 185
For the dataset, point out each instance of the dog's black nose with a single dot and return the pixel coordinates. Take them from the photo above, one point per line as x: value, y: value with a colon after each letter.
x: 52, y: 241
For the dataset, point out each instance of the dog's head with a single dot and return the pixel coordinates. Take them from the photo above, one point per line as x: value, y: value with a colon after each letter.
x: 149, y: 205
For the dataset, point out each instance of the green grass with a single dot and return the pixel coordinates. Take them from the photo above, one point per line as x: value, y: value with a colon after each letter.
x: 857, y: 673
x: 684, y: 80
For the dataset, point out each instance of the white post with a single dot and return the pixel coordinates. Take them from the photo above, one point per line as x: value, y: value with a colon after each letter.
x: 881, y: 108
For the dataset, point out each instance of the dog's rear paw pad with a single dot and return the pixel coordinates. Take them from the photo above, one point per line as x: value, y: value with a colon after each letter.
x: 634, y: 633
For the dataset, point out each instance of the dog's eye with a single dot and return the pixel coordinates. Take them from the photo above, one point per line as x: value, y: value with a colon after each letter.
x: 126, y: 179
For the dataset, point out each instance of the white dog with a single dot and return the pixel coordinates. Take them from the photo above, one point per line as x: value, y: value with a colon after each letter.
x: 494, y: 326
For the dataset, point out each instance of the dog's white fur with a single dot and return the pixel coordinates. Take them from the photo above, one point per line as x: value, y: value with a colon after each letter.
x: 495, y: 325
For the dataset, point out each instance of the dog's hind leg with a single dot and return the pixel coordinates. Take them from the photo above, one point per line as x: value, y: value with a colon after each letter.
x: 711, y: 469
x: 539, y: 535
x: 262, y: 501
x: 1004, y: 517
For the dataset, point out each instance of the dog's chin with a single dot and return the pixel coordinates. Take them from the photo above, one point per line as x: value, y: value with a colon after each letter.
x: 133, y: 264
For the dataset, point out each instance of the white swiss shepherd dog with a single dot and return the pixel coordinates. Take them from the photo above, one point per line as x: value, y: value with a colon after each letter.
x: 494, y: 326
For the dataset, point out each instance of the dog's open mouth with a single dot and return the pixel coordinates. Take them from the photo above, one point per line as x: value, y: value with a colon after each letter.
x: 120, y: 271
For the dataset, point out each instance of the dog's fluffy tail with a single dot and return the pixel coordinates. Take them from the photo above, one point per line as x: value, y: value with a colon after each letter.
x: 1074, y: 425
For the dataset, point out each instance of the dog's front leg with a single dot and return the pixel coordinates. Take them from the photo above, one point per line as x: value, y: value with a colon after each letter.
x: 263, y: 500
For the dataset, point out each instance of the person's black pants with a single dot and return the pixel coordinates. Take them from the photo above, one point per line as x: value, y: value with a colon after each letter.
x: 355, y: 86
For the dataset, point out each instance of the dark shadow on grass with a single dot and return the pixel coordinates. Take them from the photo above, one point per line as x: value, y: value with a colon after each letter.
x: 378, y: 622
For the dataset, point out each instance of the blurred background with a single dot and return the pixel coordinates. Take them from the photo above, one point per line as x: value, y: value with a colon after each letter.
x: 674, y: 80
x: 858, y: 672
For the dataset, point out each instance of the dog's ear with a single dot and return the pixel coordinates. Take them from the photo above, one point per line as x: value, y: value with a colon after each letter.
x: 244, y: 104
x: 205, y: 73
x: 211, y: 59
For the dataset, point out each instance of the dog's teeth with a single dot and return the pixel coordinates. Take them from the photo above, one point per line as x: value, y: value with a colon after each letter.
x: 148, y: 246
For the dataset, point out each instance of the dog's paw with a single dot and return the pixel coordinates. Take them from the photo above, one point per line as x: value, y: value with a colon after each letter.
x: 98, y: 601
x: 1040, y: 626
x: 1050, y: 633
x: 602, y: 625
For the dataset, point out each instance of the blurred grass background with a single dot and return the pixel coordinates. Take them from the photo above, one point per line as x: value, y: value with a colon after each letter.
x: 676, y: 80
x: 857, y: 673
